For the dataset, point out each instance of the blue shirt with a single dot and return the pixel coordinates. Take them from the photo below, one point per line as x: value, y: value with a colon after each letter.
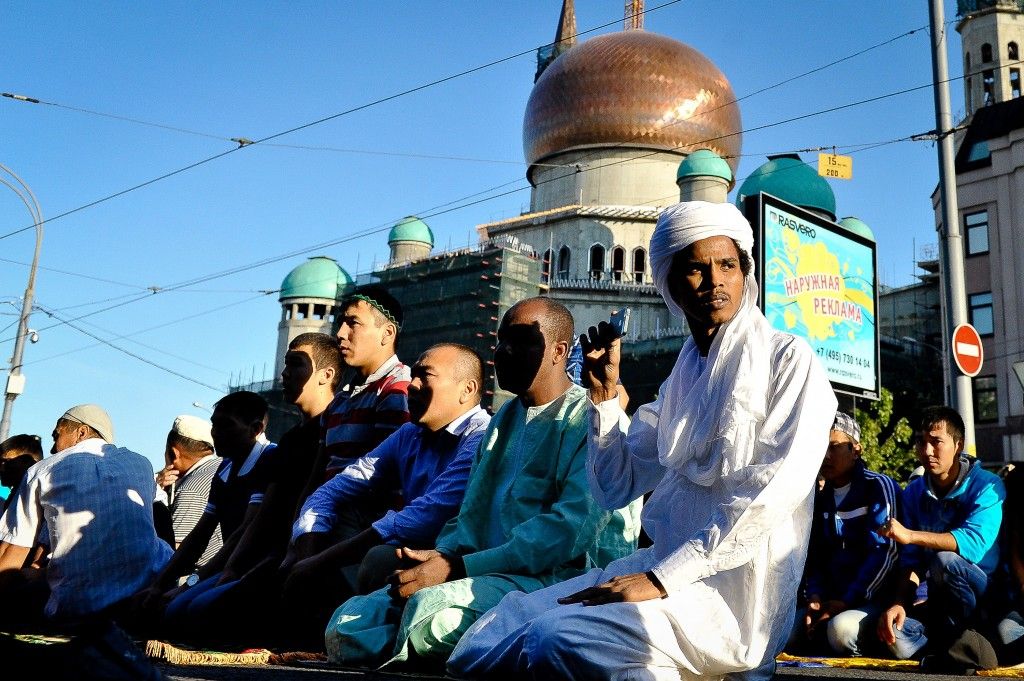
x: 431, y: 469
x: 971, y: 511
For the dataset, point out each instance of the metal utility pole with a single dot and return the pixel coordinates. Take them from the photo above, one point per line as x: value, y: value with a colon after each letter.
x: 950, y: 240
x: 15, y: 380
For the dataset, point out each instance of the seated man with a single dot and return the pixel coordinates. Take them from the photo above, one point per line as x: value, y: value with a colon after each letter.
x: 847, y: 561
x: 91, y: 505
x: 18, y: 453
x: 730, y: 449
x: 235, y: 494
x: 184, y: 484
x: 428, y: 459
x: 952, y: 516
x: 527, y: 519
x: 372, y: 403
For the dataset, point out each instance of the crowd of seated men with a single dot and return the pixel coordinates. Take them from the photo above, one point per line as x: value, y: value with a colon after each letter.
x: 400, y: 523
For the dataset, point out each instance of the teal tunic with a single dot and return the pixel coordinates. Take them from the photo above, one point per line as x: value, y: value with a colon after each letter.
x: 527, y: 521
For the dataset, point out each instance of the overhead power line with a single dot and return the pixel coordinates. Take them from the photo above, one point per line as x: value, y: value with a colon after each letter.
x: 244, y: 142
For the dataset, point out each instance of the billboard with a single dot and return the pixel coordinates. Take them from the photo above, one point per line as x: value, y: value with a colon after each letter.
x: 818, y: 281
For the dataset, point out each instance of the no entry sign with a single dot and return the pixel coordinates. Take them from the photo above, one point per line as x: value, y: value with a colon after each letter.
x: 967, y: 350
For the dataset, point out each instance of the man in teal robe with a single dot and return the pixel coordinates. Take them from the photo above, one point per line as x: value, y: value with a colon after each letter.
x: 528, y: 519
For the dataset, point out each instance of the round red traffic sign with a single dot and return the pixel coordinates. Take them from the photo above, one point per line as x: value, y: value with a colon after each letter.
x: 967, y: 350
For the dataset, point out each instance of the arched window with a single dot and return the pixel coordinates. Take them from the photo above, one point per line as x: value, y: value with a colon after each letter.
x: 986, y: 53
x: 967, y: 64
x: 618, y: 262
x: 545, y: 266
x: 564, y: 257
x: 1011, y: 51
x: 639, y: 265
x: 596, y: 261
x: 988, y: 87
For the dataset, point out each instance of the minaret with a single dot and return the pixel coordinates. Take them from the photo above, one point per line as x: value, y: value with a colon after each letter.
x: 634, y: 15
x: 565, y: 38
x: 308, y: 298
x: 992, y: 37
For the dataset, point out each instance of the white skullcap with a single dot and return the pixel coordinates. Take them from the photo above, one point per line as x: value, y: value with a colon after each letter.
x: 687, y: 223
x: 194, y: 428
x: 93, y: 416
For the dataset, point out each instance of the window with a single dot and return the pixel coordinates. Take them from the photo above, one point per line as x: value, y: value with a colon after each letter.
x: 976, y: 230
x: 988, y: 86
x: 970, y: 96
x: 618, y: 262
x: 980, y: 305
x: 986, y: 404
x: 596, y: 261
x: 545, y: 266
x: 979, y: 151
x: 986, y: 53
x: 639, y: 265
x: 1011, y: 51
x: 1014, y: 83
x: 564, y: 257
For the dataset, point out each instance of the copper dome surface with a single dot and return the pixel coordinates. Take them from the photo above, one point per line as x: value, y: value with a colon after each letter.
x: 632, y: 88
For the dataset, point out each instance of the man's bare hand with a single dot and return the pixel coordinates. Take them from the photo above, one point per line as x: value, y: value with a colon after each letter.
x: 894, y: 529
x: 434, y: 568
x: 891, y: 620
x: 601, y: 347
x: 167, y: 476
x: 818, y: 613
x: 623, y: 589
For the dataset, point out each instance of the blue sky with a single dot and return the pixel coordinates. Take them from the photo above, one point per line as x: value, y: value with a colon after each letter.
x: 254, y: 69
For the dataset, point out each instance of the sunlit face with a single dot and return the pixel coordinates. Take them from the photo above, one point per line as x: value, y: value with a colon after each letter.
x: 297, y: 372
x: 434, y: 391
x: 359, y: 337
x: 937, y: 451
x: 706, y: 281
x: 840, y: 458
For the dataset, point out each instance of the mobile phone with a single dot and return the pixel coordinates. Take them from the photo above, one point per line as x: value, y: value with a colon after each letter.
x: 620, y: 321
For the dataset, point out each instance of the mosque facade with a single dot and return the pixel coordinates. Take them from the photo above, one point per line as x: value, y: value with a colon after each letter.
x: 617, y: 127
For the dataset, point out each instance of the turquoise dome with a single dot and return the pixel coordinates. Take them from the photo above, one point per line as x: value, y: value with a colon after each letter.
x: 704, y: 163
x: 857, y: 226
x: 792, y: 180
x: 318, y: 277
x: 411, y: 228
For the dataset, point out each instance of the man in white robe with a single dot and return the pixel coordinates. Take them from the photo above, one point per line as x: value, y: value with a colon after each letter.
x: 730, y: 448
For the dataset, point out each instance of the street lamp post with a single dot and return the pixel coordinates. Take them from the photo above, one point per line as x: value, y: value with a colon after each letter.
x: 15, y: 379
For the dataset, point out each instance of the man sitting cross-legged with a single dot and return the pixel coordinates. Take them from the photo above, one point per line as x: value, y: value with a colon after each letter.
x: 729, y: 449
x: 949, y: 536
x: 428, y: 459
x: 847, y: 561
x: 528, y: 519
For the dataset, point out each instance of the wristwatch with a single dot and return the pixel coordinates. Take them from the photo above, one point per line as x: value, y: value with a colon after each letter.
x: 193, y: 579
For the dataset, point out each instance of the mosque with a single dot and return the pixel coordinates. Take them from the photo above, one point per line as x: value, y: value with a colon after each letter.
x: 616, y: 128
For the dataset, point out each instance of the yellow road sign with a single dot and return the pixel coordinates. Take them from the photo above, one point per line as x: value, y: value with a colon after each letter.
x: 838, y: 167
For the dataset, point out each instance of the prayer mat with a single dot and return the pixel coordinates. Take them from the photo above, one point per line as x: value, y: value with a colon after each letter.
x: 880, y: 664
x: 185, y: 655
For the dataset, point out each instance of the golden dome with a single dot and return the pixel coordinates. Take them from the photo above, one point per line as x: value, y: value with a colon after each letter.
x: 632, y: 88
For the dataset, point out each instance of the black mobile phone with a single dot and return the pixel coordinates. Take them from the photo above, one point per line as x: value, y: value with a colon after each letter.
x: 620, y: 321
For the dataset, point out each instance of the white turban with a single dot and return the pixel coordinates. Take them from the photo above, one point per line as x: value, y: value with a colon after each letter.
x: 711, y: 413
x: 687, y: 223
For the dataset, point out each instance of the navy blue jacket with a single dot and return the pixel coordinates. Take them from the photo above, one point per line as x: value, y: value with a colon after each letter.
x: 846, y: 559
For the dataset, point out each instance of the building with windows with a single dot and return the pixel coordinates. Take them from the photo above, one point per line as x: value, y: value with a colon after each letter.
x: 990, y: 192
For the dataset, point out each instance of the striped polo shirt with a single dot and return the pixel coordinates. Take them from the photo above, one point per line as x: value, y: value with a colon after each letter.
x: 361, y: 416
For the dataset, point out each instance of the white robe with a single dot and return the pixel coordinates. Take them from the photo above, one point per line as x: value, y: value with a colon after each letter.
x: 730, y: 552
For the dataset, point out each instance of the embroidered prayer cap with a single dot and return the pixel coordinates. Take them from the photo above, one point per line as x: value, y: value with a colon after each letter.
x: 94, y: 416
x: 845, y: 423
x: 194, y: 428
x: 382, y: 301
x: 687, y: 223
